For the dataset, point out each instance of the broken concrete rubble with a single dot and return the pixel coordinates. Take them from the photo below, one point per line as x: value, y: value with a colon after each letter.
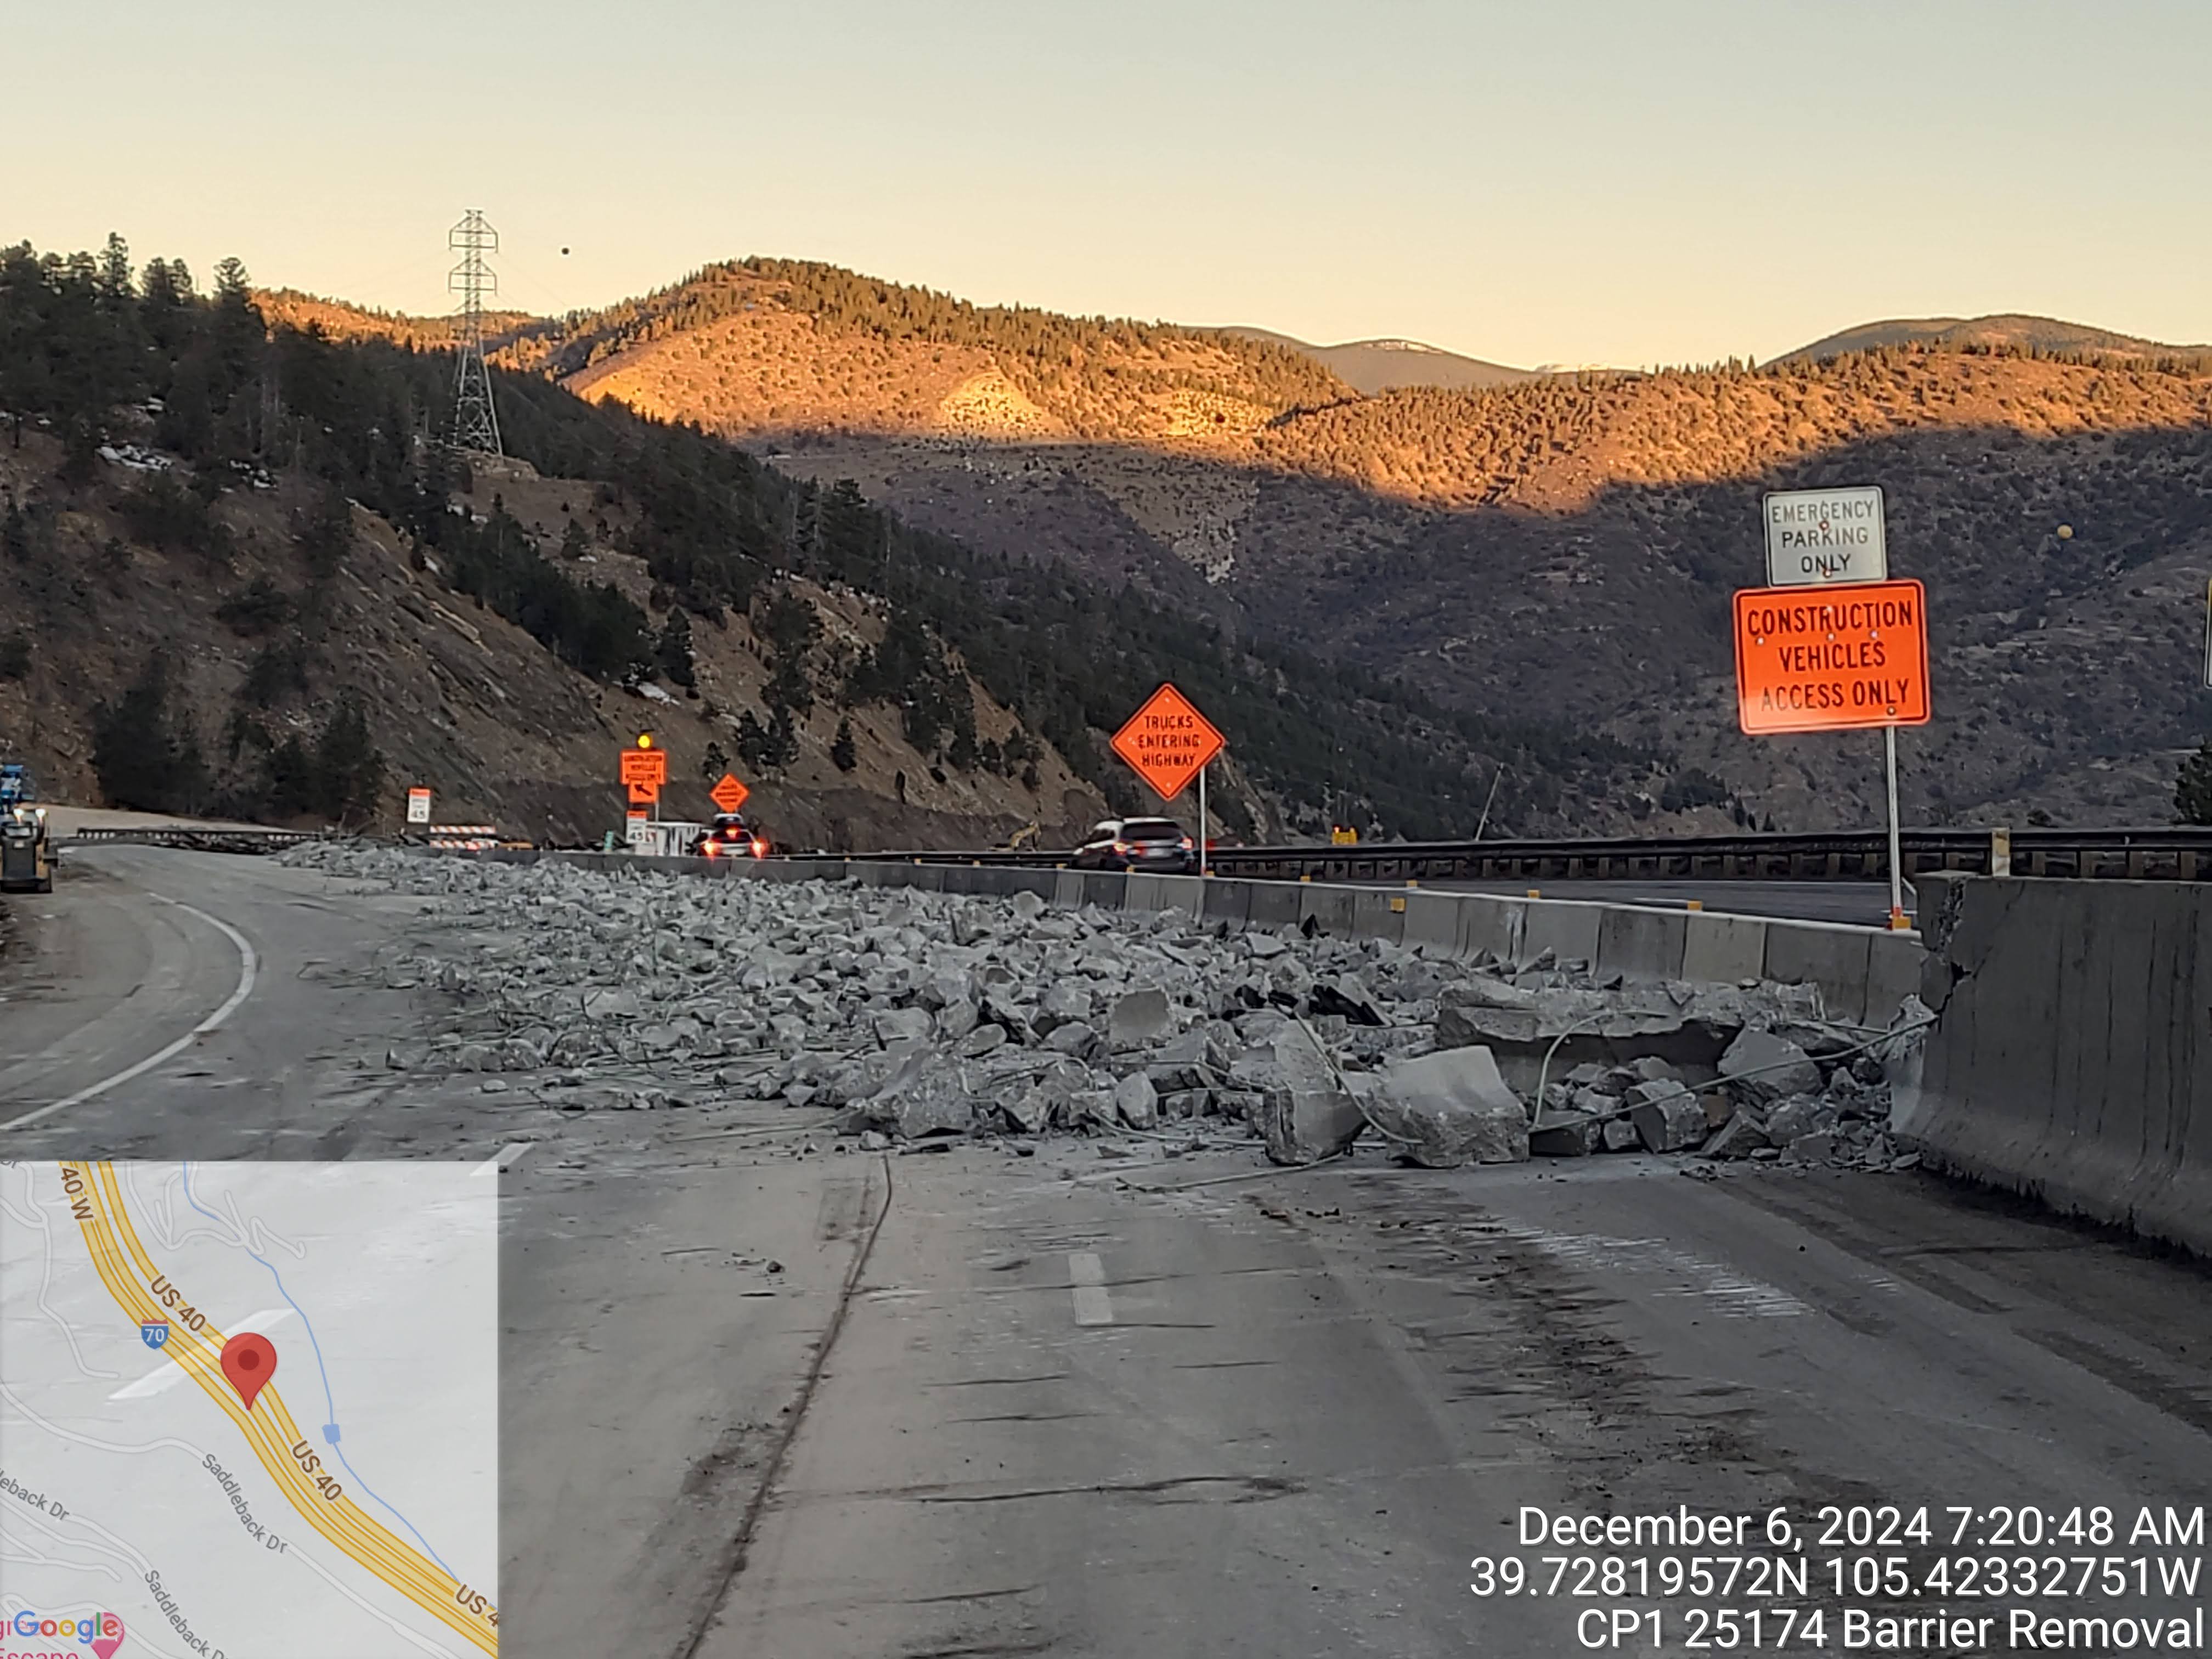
x: 1307, y: 1115
x: 1668, y: 1117
x: 924, y: 1015
x: 1449, y: 1107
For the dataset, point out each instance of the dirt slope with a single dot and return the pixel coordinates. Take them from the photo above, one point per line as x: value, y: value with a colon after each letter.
x: 458, y: 699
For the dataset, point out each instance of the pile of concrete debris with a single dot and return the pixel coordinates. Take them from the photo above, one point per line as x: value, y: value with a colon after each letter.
x: 915, y: 1015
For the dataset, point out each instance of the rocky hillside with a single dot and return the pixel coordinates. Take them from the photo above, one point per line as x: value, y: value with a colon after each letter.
x: 260, y: 655
x: 1559, y: 549
x: 1564, y: 547
x: 255, y: 581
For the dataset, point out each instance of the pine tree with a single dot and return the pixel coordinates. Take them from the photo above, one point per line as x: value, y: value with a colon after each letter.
x: 844, y: 753
x: 348, y: 768
x: 143, y: 753
x: 115, y: 284
x: 671, y: 653
x: 2192, y: 789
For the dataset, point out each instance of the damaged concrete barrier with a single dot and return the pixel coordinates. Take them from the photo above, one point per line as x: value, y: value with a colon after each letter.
x: 2071, y: 1057
x: 1447, y: 1108
x: 1306, y: 1114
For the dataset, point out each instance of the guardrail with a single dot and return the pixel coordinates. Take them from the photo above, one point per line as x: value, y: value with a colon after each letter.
x: 192, y: 838
x: 2157, y: 853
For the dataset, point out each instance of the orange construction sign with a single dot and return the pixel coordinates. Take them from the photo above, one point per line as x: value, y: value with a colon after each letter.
x: 643, y: 794
x: 644, y: 766
x: 1167, y: 742
x: 1830, y: 659
x: 729, y: 794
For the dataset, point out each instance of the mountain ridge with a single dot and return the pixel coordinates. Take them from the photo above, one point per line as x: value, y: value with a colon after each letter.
x: 1459, y: 539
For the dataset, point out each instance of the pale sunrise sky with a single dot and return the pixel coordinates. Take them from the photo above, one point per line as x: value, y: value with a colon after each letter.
x: 1598, y: 183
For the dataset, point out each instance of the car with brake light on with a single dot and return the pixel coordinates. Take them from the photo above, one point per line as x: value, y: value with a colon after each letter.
x: 1157, y: 845
x: 730, y: 836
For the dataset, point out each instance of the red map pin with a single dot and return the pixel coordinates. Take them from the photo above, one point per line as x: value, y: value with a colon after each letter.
x: 249, y: 1360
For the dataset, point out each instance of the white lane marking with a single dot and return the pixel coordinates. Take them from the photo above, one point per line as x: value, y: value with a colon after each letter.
x: 249, y: 969
x: 509, y: 1156
x: 1086, y: 1276
x: 169, y: 1376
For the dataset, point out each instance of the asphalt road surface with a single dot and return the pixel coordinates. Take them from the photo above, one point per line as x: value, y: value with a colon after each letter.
x: 763, y: 1401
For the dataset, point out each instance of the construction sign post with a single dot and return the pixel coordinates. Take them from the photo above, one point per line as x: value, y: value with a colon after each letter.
x: 644, y: 769
x: 1168, y: 743
x: 2208, y: 636
x: 729, y: 794
x: 1840, y: 656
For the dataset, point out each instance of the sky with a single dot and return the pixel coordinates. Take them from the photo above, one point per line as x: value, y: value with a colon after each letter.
x: 1566, y: 181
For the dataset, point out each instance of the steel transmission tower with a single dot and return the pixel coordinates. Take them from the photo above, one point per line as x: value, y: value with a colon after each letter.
x: 476, y: 423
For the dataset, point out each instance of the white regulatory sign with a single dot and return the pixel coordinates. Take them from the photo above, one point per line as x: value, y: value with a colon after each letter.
x: 418, y: 806
x: 1816, y: 536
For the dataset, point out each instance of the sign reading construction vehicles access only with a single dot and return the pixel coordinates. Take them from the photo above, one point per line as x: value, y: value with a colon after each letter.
x: 1830, y: 659
x: 1167, y: 742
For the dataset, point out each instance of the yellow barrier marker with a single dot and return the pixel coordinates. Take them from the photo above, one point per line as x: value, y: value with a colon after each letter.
x: 1535, y: 892
x: 1693, y: 905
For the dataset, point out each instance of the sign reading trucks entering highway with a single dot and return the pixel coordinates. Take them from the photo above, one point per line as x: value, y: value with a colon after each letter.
x: 1167, y: 742
x: 1816, y: 536
x: 1856, y: 655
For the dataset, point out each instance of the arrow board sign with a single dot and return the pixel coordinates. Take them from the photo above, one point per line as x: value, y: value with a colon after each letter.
x: 1819, y: 536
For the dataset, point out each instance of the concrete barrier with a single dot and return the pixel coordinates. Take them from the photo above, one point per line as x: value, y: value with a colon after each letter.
x: 1834, y: 957
x: 1229, y: 901
x: 1642, y: 944
x: 1566, y: 928
x: 1493, y: 925
x: 1862, y: 972
x: 1378, y: 913
x: 1329, y: 908
x: 2070, y: 1059
x: 1723, y: 950
x: 1146, y: 892
x: 1432, y: 922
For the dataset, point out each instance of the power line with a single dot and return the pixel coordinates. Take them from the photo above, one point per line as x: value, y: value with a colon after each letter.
x: 476, y: 423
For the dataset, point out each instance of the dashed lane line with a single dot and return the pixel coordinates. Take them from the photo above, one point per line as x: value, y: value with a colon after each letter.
x: 1086, y: 1276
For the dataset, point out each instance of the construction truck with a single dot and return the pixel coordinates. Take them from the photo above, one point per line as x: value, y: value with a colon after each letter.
x: 27, y: 858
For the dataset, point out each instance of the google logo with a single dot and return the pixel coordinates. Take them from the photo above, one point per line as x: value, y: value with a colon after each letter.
x: 104, y: 1631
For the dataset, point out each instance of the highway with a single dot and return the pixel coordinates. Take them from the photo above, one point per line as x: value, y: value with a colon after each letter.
x: 757, y: 1400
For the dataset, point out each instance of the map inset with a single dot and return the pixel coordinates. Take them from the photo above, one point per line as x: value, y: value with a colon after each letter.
x: 249, y: 1410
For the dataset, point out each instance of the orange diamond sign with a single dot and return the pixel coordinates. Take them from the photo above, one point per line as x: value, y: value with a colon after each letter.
x: 1167, y: 742
x: 729, y: 794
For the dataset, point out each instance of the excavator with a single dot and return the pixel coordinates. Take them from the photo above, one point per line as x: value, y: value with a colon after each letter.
x: 26, y: 861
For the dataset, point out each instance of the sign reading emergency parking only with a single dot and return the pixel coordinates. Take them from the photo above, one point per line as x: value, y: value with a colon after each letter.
x: 1816, y: 536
